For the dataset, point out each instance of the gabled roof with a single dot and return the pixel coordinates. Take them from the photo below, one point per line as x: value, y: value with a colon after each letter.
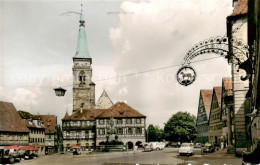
x: 10, y: 120
x: 49, y: 122
x: 241, y: 8
x: 120, y: 110
x: 227, y: 86
x: 66, y: 116
x: 104, y: 101
x: 217, y: 92
x: 206, y: 96
x: 85, y: 114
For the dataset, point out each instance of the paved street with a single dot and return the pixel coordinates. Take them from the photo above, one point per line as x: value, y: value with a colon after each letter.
x: 164, y: 157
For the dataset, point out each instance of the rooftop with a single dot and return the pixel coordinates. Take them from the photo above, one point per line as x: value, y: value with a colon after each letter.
x: 10, y: 120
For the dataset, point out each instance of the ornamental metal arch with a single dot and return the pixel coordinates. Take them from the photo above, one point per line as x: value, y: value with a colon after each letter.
x: 234, y: 50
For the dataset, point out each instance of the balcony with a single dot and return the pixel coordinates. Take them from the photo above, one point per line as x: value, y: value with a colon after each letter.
x: 77, y: 127
x: 78, y: 138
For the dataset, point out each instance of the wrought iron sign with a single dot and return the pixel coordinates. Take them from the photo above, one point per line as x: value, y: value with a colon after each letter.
x: 186, y: 75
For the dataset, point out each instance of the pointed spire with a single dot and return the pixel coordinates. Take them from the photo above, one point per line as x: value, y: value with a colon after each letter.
x: 82, y: 47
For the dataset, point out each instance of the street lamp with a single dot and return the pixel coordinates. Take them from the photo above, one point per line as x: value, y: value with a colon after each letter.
x: 60, y: 91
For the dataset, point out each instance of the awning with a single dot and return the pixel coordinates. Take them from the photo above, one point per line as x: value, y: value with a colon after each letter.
x: 75, y: 146
x: 11, y: 147
x: 33, y: 148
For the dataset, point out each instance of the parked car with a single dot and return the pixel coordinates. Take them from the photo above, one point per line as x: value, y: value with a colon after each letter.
x: 147, y: 147
x: 157, y: 145
x: 197, y: 145
x: 76, y: 151
x: 176, y: 144
x: 187, y: 149
x: 208, y: 147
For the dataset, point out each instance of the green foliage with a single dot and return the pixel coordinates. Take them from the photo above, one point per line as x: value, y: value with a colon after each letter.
x: 181, y: 127
x: 155, y: 133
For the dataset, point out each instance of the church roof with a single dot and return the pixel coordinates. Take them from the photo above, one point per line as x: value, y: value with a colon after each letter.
x: 10, y: 120
x: 206, y: 96
x: 120, y: 110
x: 82, y: 47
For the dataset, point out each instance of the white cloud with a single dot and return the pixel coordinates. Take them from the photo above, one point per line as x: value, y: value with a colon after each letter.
x: 158, y: 34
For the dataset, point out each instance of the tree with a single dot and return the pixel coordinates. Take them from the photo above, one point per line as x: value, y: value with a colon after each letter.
x: 155, y: 133
x: 181, y: 127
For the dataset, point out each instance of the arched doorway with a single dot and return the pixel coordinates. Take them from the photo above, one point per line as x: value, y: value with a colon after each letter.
x: 139, y: 144
x: 130, y: 145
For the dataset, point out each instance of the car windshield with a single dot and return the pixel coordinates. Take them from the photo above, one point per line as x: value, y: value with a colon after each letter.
x: 186, y: 145
x: 207, y: 144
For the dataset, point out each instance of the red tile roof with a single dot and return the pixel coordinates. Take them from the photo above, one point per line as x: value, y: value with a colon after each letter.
x: 10, y: 120
x: 240, y: 8
x: 49, y: 122
x: 85, y: 114
x: 120, y: 110
x: 217, y: 92
x: 206, y: 96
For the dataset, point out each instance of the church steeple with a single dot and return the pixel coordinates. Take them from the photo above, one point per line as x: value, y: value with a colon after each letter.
x: 82, y: 47
x: 83, y: 87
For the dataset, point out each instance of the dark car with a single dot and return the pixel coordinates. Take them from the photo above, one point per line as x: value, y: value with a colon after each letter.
x: 208, y: 147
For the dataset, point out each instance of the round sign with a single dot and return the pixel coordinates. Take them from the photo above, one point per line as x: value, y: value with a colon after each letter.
x: 186, y: 75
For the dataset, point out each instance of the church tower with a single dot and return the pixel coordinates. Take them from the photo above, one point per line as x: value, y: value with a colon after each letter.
x: 83, y: 87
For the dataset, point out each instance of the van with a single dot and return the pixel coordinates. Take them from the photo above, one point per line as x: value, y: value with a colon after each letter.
x: 157, y: 145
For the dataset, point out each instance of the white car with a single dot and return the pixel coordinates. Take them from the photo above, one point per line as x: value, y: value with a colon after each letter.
x: 147, y: 147
x: 186, y: 149
x: 157, y: 145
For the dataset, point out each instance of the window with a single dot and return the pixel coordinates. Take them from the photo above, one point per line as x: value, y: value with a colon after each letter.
x: 138, y: 121
x: 128, y: 121
x: 129, y: 131
x: 82, y: 105
x: 101, y: 121
x: 82, y: 77
x: 101, y: 131
x: 119, y: 131
x: 138, y: 131
x: 119, y: 121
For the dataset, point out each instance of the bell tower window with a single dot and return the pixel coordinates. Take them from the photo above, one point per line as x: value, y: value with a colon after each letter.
x: 82, y: 77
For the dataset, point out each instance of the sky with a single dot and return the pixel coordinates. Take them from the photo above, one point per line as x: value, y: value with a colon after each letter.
x: 39, y: 39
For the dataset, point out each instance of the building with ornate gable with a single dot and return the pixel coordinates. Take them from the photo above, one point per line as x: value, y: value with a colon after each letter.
x: 215, y: 123
x: 227, y: 112
x: 202, y: 122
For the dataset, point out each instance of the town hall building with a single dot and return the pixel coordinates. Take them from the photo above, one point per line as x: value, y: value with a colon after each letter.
x: 87, y: 126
